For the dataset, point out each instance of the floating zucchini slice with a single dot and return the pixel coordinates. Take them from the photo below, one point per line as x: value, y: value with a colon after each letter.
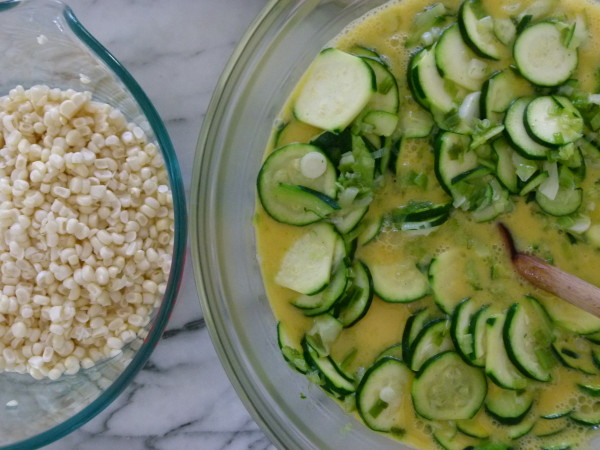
x: 336, y: 89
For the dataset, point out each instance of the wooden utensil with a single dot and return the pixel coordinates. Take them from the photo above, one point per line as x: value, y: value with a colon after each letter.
x: 552, y: 279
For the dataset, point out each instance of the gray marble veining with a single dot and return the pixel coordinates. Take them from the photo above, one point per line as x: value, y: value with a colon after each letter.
x: 182, y: 399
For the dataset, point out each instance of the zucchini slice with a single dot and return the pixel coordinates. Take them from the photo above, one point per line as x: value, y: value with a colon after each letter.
x: 505, y: 168
x: 433, y: 339
x: 413, y: 326
x: 453, y: 57
x: 292, y: 195
x: 452, y: 158
x: 447, y: 279
x: 592, y: 390
x: 550, y: 427
x: 575, y: 352
x: 313, y: 305
x: 427, y: 85
x: 528, y: 338
x: 516, y: 131
x: 587, y: 415
x: 553, y: 120
x: 477, y: 427
x: 393, y: 351
x: 521, y: 429
x: 381, y: 397
x: 567, y: 201
x: 332, y: 378
x: 414, y: 122
x: 478, y: 31
x: 507, y: 406
x: 369, y: 230
x: 347, y: 219
x: 448, y: 438
x: 306, y: 266
x: 570, y: 317
x: 356, y: 301
x: 291, y: 352
x: 499, y: 91
x: 460, y: 330
x: 541, y: 55
x: 336, y: 88
x: 385, y: 98
x: 448, y: 389
x: 478, y: 330
x: 400, y: 282
x: 497, y: 364
x: 381, y: 123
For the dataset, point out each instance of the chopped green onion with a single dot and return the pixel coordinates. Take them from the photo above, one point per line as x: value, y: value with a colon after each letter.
x: 376, y: 410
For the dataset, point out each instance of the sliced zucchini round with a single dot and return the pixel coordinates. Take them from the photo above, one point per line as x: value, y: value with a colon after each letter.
x: 587, y: 415
x: 479, y: 333
x: 313, y: 305
x: 357, y: 299
x: 521, y: 429
x: 507, y: 406
x: 553, y: 120
x: 426, y: 83
x: 452, y: 158
x: 448, y: 437
x: 291, y: 351
x: 393, y: 351
x: 460, y: 330
x: 541, y: 55
x: 528, y: 338
x: 400, y: 282
x: 289, y: 195
x: 345, y: 220
x: 592, y: 390
x: 413, y: 326
x: 448, y: 389
x: 475, y: 427
x: 505, y: 168
x: 478, y: 31
x: 369, y: 230
x: 381, y: 397
x: 385, y: 98
x: 434, y: 338
x: 575, y: 352
x: 414, y: 122
x: 446, y: 276
x: 306, y: 266
x: 516, y: 131
x: 497, y: 363
x: 499, y: 91
x: 332, y: 378
x: 571, y: 317
x: 453, y: 57
x: 567, y: 201
x: 336, y: 88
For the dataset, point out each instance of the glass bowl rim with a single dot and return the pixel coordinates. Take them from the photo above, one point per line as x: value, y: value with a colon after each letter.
x: 180, y: 236
x: 247, y: 394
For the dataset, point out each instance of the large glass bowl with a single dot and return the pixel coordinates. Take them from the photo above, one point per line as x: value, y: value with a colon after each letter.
x: 42, y: 42
x: 267, y: 64
x: 261, y: 74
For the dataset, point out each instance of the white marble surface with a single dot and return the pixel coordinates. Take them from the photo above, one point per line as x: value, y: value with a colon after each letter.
x: 182, y: 399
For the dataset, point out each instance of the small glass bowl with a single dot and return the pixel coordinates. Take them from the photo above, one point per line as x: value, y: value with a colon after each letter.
x: 42, y: 42
x: 260, y: 76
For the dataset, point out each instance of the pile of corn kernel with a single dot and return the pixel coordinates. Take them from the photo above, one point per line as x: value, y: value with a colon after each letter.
x: 86, y: 231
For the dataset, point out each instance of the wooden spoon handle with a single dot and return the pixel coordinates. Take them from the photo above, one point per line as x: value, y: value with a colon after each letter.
x: 558, y: 282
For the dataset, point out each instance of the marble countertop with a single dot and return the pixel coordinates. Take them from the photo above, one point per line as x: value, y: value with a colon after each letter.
x: 176, y: 50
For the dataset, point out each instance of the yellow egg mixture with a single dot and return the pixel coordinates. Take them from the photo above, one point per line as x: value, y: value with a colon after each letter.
x: 386, y: 29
